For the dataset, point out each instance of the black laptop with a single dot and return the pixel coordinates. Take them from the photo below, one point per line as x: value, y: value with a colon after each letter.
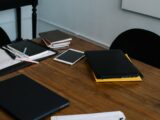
x: 26, y: 99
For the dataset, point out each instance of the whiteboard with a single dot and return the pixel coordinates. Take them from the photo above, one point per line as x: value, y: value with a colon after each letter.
x: 147, y: 7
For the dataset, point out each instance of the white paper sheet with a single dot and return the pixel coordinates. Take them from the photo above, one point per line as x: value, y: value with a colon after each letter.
x: 116, y: 115
x: 6, y: 60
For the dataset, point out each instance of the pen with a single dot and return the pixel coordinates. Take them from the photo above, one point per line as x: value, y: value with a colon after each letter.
x: 25, y: 49
x: 12, y: 55
x: 26, y: 60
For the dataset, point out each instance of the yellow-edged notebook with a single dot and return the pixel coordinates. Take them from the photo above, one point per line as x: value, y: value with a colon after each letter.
x: 112, y: 65
x: 137, y: 78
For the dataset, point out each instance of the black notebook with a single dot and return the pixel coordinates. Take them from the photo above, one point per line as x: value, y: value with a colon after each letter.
x: 111, y: 64
x: 55, y: 36
x: 27, y: 47
x: 25, y: 99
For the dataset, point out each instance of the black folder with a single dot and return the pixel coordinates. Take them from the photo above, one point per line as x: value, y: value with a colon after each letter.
x: 26, y: 99
x: 111, y: 64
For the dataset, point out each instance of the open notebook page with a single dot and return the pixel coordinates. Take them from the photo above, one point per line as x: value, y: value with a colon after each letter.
x: 117, y: 115
x: 6, y: 60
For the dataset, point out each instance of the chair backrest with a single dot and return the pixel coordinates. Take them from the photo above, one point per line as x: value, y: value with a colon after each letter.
x: 140, y: 44
x: 4, y: 39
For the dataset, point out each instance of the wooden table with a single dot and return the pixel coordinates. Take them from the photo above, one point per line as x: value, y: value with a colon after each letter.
x: 17, y: 4
x: 138, y: 100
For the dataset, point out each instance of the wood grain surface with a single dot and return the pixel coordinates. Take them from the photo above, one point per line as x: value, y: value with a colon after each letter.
x: 138, y: 100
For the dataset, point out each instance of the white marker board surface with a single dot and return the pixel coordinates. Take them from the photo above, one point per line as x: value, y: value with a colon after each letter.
x: 147, y: 7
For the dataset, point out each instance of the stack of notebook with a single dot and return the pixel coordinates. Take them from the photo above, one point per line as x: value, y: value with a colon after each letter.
x: 112, y: 65
x: 56, y: 39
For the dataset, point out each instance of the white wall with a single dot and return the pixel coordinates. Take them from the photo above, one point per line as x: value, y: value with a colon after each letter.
x: 98, y: 20
x: 8, y: 22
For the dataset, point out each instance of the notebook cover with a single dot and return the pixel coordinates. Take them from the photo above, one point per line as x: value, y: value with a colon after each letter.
x: 25, y: 99
x: 14, y: 67
x: 55, y: 36
x: 32, y: 47
x: 111, y: 64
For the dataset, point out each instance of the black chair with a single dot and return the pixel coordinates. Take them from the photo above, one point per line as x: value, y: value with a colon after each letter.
x: 4, y: 39
x: 140, y: 44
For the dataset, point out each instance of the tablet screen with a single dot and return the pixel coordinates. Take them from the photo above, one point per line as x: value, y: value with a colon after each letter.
x: 70, y: 56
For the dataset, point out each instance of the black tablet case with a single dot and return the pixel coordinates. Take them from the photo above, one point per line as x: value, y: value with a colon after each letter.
x: 70, y: 56
x: 111, y: 64
x: 25, y: 99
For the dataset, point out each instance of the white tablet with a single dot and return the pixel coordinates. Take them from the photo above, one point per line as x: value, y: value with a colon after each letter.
x: 70, y: 56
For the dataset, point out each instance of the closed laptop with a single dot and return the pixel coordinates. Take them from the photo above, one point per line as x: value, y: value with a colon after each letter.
x: 26, y: 99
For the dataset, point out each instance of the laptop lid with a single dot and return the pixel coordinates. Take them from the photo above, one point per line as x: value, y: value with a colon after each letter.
x: 28, y: 100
